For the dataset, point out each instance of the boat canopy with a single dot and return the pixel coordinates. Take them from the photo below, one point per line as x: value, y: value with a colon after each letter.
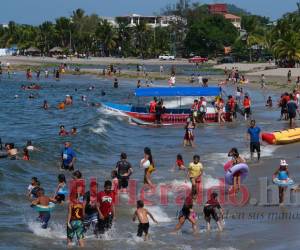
x: 179, y: 91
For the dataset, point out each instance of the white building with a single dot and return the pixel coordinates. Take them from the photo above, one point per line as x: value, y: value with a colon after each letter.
x: 152, y: 21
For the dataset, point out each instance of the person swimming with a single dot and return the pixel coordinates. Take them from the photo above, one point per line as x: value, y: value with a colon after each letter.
x: 179, y: 163
x: 11, y: 151
x: 26, y: 156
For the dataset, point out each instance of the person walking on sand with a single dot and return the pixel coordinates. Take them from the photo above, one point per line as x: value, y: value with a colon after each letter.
x: 263, y: 81
x: 289, y: 76
x: 142, y: 215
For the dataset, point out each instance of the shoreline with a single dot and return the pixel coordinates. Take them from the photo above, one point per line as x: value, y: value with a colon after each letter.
x: 275, y: 78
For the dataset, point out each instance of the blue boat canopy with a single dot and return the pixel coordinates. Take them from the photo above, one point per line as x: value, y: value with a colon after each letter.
x: 179, y: 91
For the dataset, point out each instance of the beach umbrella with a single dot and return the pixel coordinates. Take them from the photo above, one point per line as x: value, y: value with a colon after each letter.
x: 33, y: 50
x: 56, y: 49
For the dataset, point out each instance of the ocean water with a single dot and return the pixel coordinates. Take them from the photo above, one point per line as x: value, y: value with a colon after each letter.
x: 102, y: 136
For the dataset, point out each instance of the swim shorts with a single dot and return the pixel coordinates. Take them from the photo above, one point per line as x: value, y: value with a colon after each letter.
x: 123, y: 182
x: 292, y: 115
x: 142, y: 228
x: 105, y: 224
x: 77, y: 229
x: 44, y: 218
x: 60, y: 197
x: 209, y: 211
x: 254, y: 146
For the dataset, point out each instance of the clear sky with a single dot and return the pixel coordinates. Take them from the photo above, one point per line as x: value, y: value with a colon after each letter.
x: 37, y: 11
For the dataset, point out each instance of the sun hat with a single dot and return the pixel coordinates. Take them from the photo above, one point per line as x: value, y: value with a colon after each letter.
x: 283, y: 163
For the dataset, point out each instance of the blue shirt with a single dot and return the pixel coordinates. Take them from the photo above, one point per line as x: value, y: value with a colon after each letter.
x: 254, y: 134
x: 68, y: 154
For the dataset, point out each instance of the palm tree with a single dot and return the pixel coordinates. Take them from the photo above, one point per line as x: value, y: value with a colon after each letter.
x: 107, y: 35
x: 288, y: 48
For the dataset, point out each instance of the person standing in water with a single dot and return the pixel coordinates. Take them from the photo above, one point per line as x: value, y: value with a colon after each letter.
x: 124, y: 170
x: 148, y: 164
x: 292, y: 111
x: 107, y: 212
x: 75, y: 218
x: 282, y: 173
x: 43, y: 200
x: 68, y: 157
x: 209, y: 211
x: 195, y: 171
x: 236, y: 159
x: 253, y: 134
x: 142, y: 214
x: 187, y: 213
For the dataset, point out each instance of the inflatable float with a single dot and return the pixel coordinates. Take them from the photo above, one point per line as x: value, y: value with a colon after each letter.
x: 231, y: 170
x: 40, y: 208
x: 283, y: 183
x: 282, y: 137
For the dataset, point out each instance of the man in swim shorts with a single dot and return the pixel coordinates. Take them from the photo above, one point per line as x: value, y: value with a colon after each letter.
x: 210, y: 211
x: 43, y: 200
x: 253, y: 133
x: 142, y: 214
x: 124, y: 170
x: 91, y: 211
x: 68, y: 157
x: 106, y: 200
x: 75, y: 222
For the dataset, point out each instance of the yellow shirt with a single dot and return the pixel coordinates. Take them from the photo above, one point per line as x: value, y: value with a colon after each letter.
x: 195, y: 169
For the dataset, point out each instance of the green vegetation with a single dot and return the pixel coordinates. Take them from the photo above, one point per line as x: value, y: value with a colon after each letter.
x: 202, y: 34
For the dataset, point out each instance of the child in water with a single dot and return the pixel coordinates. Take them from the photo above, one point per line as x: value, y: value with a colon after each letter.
x: 281, y: 174
x: 269, y: 103
x: 115, y: 181
x: 187, y: 213
x: 209, y: 211
x: 179, y: 163
x: 142, y: 214
x: 236, y: 159
x: 61, y: 190
x: 26, y: 154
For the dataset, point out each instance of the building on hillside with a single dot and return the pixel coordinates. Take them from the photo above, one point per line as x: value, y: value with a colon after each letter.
x: 220, y: 8
x: 235, y: 20
x: 4, y: 25
x: 152, y: 21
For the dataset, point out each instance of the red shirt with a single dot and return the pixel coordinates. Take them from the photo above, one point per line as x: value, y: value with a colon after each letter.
x: 106, y: 201
x: 231, y: 103
x: 179, y: 163
x: 152, y: 107
x: 214, y: 203
x: 63, y: 133
x: 247, y: 103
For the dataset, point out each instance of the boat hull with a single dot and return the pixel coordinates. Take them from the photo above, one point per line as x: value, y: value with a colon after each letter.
x: 180, y: 117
